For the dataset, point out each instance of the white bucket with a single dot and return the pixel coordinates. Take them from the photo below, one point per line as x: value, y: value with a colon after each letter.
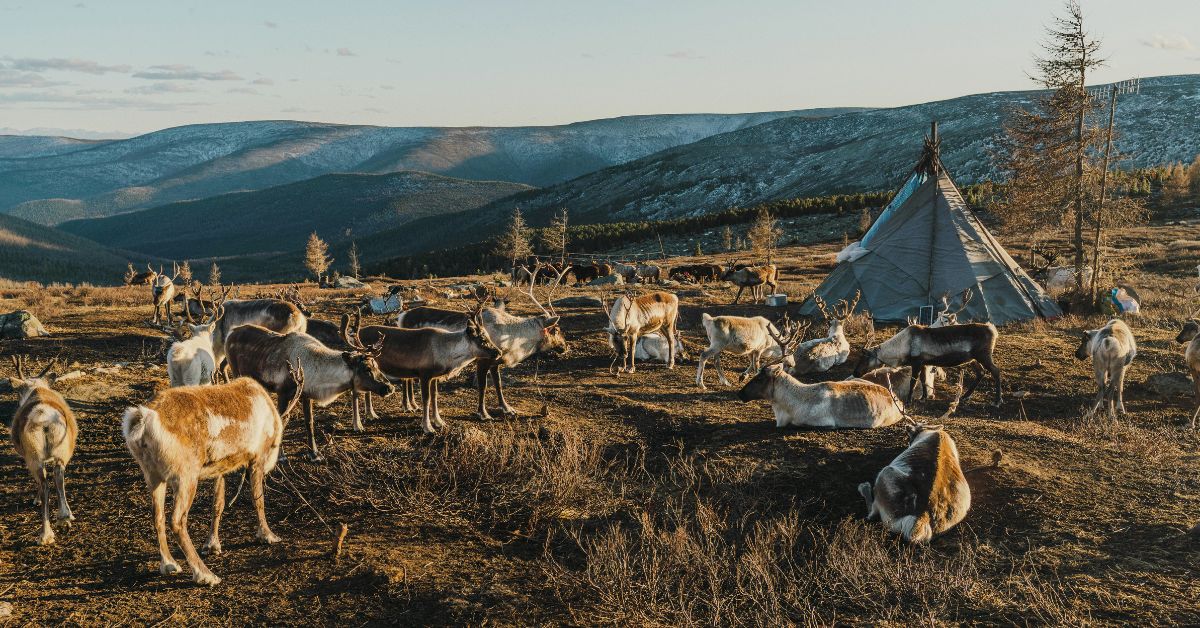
x: 777, y: 300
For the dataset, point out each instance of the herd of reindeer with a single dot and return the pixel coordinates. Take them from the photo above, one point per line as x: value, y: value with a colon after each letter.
x: 218, y: 415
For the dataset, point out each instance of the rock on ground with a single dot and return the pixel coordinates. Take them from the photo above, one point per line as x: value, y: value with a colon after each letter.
x: 609, y: 280
x: 21, y: 324
x: 1170, y: 384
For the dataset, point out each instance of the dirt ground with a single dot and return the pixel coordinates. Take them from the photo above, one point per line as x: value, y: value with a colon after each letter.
x: 637, y: 499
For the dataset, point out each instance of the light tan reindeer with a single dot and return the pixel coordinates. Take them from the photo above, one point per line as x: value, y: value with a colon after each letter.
x: 1112, y: 349
x: 821, y: 354
x: 753, y: 277
x: 737, y: 335
x: 631, y: 317
x: 193, y: 433
x: 852, y: 403
x: 923, y: 492
x: 43, y: 433
x: 162, y: 289
x: 1190, y: 334
x: 191, y: 362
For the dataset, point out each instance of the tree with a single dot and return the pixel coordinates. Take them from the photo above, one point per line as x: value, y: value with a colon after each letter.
x: 185, y: 272
x: 727, y: 238
x: 555, y: 237
x: 316, y: 256
x: 513, y: 244
x: 764, y: 236
x: 353, y: 255
x: 214, y: 275
x: 1070, y: 53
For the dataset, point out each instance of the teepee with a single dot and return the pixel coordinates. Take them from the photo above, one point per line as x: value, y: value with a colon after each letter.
x: 927, y: 243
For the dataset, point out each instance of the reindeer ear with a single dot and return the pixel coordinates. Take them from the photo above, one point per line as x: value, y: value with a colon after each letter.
x: 52, y: 378
x: 550, y: 322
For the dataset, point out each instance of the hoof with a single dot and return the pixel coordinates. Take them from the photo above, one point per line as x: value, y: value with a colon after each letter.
x: 47, y: 539
x: 206, y: 578
x: 269, y: 537
x: 315, y: 457
x: 211, y: 548
x: 484, y: 416
x: 508, y: 413
x: 167, y: 569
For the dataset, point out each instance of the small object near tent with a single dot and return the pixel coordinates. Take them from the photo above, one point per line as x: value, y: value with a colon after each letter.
x: 928, y: 243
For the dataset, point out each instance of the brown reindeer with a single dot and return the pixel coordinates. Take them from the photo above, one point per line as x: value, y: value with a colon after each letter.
x: 517, y: 337
x: 631, y: 317
x: 753, y: 277
x: 140, y: 279
x: 429, y: 355
x: 273, y: 314
x: 264, y: 356
x: 162, y: 291
x: 193, y: 433
x: 43, y: 433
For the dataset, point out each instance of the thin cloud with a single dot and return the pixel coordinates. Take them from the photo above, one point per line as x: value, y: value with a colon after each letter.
x: 65, y: 65
x: 243, y: 90
x: 387, y: 87
x: 179, y: 72
x: 160, y: 88
x: 270, y: 24
x: 66, y: 100
x: 1175, y: 43
x: 262, y: 81
x: 684, y: 55
x: 80, y: 5
x: 13, y: 78
x: 345, y: 52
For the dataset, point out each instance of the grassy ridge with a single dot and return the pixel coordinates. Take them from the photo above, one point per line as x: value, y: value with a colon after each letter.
x: 31, y: 252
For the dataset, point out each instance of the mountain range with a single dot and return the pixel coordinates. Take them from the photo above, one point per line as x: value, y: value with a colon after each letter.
x: 56, y: 181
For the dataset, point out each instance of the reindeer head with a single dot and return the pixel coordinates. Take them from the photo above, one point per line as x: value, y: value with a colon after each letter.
x: 552, y: 339
x: 948, y: 317
x: 1084, y: 351
x: 481, y: 342
x: 24, y: 384
x: 362, y: 361
x: 759, y: 386
x: 1191, y: 329
x: 916, y: 429
x: 869, y: 360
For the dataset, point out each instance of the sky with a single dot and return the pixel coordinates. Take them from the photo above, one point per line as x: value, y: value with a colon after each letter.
x: 122, y: 67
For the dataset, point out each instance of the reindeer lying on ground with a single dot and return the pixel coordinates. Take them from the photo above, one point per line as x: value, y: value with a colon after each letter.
x: 821, y: 354
x: 837, y: 405
x: 43, y: 433
x: 162, y: 291
x: 517, y: 337
x: 265, y: 356
x: 185, y: 435
x: 1112, y: 349
x: 700, y: 273
x: 431, y: 354
x: 918, y: 346
x: 898, y: 379
x: 923, y: 492
x: 653, y: 347
x: 737, y: 335
x: 191, y: 362
x: 753, y: 277
x: 632, y: 317
x: 1190, y: 334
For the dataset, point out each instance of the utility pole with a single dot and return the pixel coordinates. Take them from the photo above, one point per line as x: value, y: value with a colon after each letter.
x: 1131, y: 86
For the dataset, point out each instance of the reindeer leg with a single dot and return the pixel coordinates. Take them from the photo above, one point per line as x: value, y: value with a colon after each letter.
x: 356, y: 403
x: 158, y: 499
x: 631, y: 352
x: 1120, y: 388
x: 309, y: 415
x: 507, y: 410
x: 437, y: 414
x: 47, y: 531
x: 975, y: 382
x: 669, y: 334
x: 213, y: 546
x: 426, y: 422
x: 704, y: 357
x: 995, y: 371
x: 185, y: 492
x: 257, y: 478
x: 912, y: 384
x: 371, y: 407
x: 60, y: 482
x: 739, y: 294
x: 481, y: 373
x: 411, y: 394
x: 721, y: 371
x: 1101, y: 385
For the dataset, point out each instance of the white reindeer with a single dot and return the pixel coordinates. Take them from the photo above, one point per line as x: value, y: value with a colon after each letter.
x: 736, y: 335
x: 43, y: 433
x: 821, y: 354
x: 195, y: 433
x: 630, y: 318
x: 923, y: 492
x: 1111, y: 348
x: 191, y: 362
x: 837, y: 405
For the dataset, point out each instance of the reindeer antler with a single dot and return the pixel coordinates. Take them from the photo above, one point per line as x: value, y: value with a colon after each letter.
x: 821, y: 305
x: 297, y: 373
x: 19, y: 362
x: 787, y: 344
x: 843, y: 310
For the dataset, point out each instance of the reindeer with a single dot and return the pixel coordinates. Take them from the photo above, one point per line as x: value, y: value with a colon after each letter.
x: 192, y: 303
x: 737, y: 335
x: 517, y: 337
x: 923, y: 492
x: 1112, y: 349
x: 821, y: 354
x: 163, y: 291
x: 191, y: 362
x: 898, y: 379
x: 264, y: 356
x: 852, y: 404
x: 43, y: 433
x: 753, y: 277
x: 273, y: 314
x: 193, y: 433
x: 1057, y: 279
x: 653, y: 347
x: 431, y: 354
x: 628, y: 272
x: 649, y: 273
x: 1190, y: 334
x: 631, y: 317
x: 140, y: 279
x: 918, y: 346
x: 700, y: 273
x: 945, y: 317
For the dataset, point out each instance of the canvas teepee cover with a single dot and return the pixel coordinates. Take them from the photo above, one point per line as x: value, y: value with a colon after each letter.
x: 927, y: 243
